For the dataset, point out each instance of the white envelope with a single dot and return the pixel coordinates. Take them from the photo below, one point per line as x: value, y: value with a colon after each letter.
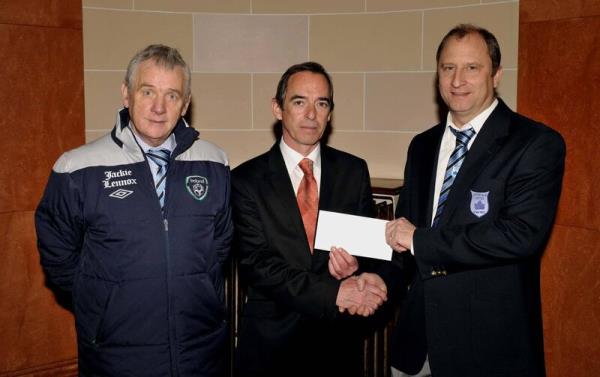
x: 360, y: 236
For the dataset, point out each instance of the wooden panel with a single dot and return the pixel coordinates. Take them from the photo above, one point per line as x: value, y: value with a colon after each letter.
x: 42, y: 102
x: 559, y: 77
x: 561, y: 90
x: 544, y: 10
x: 67, y: 368
x: 56, y: 13
x: 42, y: 107
x: 571, y: 302
x: 35, y: 330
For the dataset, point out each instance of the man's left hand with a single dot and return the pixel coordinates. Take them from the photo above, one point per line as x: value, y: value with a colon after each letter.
x: 341, y: 263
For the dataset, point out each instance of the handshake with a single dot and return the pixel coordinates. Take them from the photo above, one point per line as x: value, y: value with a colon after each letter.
x: 360, y: 295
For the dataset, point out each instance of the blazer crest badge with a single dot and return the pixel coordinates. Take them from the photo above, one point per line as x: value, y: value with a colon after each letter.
x: 480, y: 205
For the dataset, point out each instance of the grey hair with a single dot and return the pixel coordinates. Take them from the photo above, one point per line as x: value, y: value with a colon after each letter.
x: 163, y: 56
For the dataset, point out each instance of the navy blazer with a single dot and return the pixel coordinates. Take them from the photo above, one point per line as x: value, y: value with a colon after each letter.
x: 290, y: 324
x: 474, y: 304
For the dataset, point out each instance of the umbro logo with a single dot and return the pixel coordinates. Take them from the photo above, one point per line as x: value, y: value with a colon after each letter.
x: 121, y: 193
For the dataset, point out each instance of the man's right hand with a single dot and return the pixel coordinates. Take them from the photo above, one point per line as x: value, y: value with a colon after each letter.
x: 399, y: 234
x: 361, y: 295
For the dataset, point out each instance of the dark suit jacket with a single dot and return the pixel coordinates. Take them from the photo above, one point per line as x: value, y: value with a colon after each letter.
x: 290, y: 324
x: 474, y: 305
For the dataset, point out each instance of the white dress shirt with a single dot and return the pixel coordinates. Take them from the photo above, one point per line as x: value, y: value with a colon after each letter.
x: 293, y: 158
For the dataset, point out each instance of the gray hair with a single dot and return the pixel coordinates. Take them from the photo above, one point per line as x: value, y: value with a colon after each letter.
x: 163, y: 56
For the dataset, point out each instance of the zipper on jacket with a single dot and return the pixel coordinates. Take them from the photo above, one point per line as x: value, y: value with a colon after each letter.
x: 163, y: 215
x: 170, y: 311
x: 170, y: 320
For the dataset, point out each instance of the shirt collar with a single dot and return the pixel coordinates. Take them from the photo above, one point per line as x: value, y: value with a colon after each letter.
x: 292, y: 158
x: 169, y: 143
x: 477, y: 122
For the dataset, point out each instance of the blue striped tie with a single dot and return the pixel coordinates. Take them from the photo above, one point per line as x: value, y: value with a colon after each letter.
x: 454, y: 163
x: 161, y: 158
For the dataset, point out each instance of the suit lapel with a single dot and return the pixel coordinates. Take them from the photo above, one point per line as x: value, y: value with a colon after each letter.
x: 431, y: 169
x: 329, y: 189
x: 328, y: 180
x: 280, y: 192
x: 484, y: 148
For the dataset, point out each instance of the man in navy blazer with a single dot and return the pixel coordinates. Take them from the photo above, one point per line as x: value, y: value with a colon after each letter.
x: 475, y: 232
x: 292, y: 323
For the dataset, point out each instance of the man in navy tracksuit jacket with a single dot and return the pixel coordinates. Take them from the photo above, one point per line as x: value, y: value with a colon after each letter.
x: 146, y: 281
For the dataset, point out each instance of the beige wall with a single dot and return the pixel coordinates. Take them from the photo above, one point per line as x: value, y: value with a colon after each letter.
x: 381, y: 54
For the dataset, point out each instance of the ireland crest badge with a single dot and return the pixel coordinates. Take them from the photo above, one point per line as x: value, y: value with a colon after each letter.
x: 197, y: 186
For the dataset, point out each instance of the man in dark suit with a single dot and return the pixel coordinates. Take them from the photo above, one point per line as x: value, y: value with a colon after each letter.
x: 480, y: 196
x: 292, y: 322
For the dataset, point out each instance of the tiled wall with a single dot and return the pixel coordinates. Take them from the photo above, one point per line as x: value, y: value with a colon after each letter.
x: 381, y: 54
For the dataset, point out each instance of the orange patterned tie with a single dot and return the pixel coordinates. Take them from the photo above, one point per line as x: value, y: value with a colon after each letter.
x: 308, y: 201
